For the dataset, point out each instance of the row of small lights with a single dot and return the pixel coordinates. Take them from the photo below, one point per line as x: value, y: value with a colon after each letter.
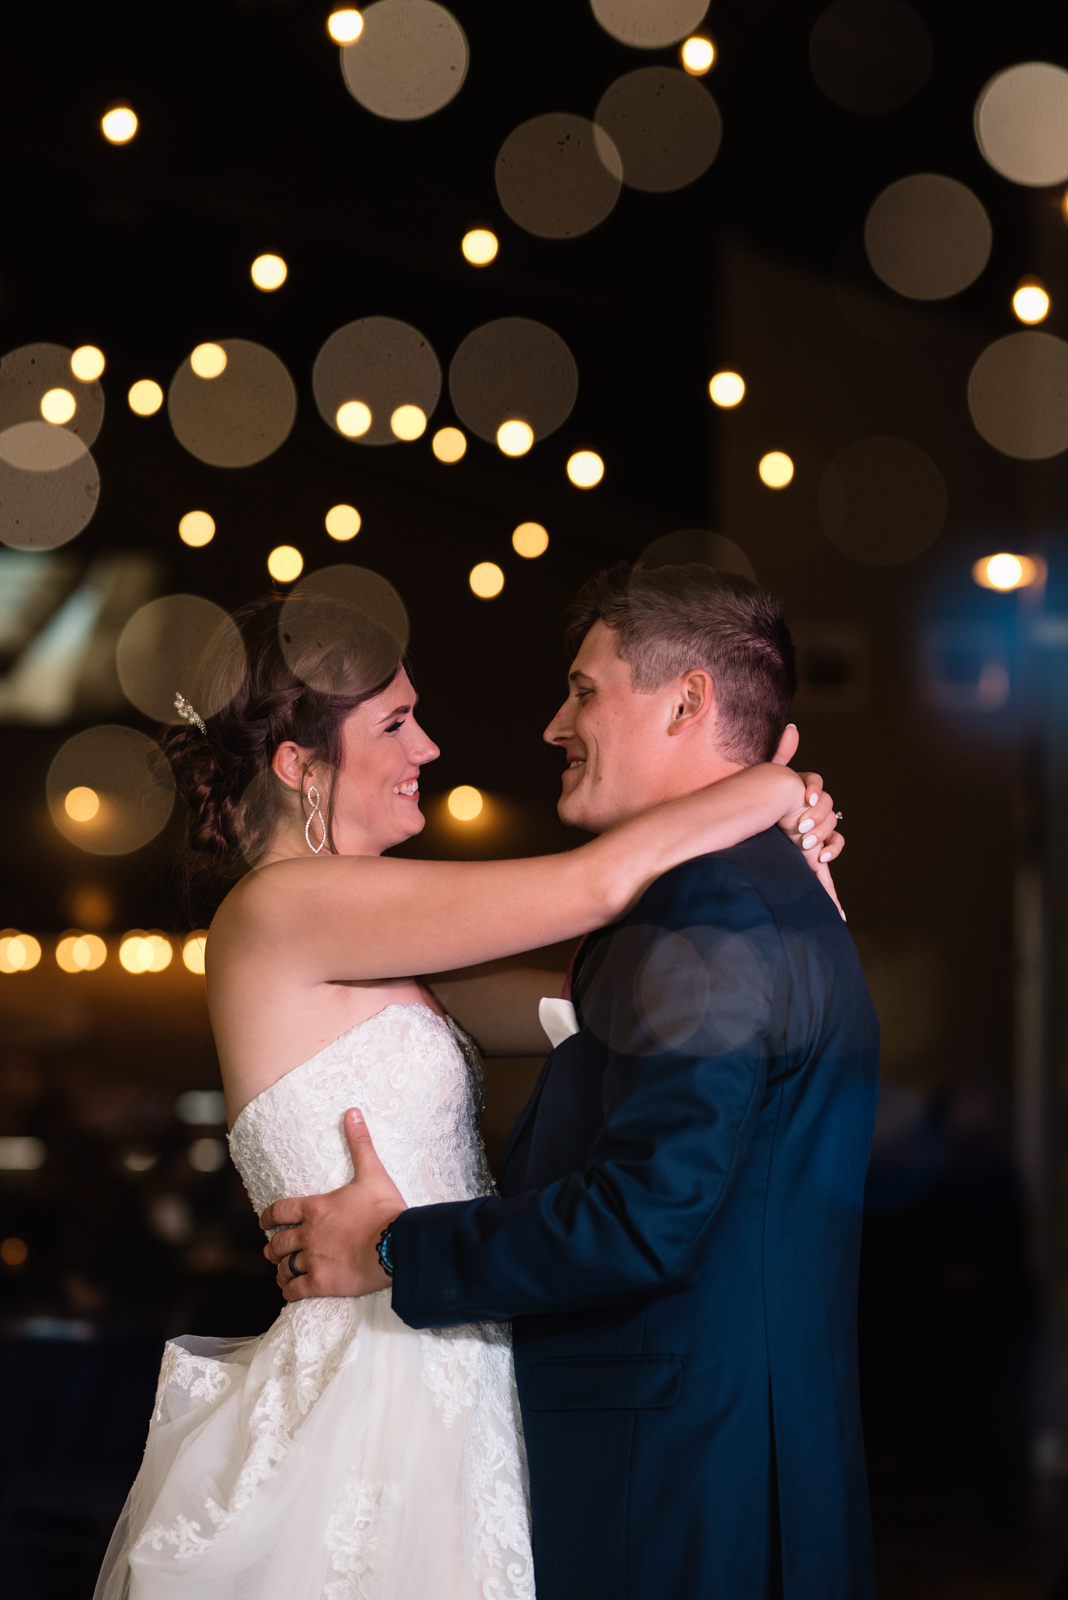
x: 85, y: 952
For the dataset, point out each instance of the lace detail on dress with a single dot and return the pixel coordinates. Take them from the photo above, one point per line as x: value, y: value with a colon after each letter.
x: 354, y: 1534
x: 199, y: 1376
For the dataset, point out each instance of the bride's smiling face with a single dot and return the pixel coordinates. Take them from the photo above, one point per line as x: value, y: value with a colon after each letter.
x: 376, y: 786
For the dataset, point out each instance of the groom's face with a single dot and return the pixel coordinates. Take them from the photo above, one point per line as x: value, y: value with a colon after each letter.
x: 615, y: 738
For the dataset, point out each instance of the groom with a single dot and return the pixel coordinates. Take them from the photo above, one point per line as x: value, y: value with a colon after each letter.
x: 678, y: 1233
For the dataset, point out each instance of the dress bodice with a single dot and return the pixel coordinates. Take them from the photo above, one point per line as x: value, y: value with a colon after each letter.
x: 420, y: 1084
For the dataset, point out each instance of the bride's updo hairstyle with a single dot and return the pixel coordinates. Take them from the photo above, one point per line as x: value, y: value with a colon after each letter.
x: 292, y: 668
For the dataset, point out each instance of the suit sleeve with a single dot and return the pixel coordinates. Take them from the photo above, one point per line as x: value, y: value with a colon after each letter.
x: 686, y: 1007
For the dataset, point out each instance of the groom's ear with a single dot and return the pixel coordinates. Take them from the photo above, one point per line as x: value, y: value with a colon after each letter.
x: 787, y: 746
x: 694, y: 701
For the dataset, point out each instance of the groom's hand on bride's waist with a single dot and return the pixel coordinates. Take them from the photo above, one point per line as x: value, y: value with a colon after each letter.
x: 331, y: 1239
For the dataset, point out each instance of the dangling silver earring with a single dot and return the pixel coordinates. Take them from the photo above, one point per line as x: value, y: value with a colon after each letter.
x: 316, y: 815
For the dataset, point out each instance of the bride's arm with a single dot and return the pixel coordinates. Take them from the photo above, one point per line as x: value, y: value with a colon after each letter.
x: 359, y: 917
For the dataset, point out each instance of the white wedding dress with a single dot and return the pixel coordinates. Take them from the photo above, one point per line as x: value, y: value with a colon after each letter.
x: 341, y: 1455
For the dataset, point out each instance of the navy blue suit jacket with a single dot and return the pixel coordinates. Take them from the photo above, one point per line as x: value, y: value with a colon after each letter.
x: 677, y: 1243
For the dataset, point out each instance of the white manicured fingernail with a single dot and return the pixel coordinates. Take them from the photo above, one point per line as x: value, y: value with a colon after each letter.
x: 826, y: 856
x: 806, y: 826
x: 813, y: 797
x: 807, y: 844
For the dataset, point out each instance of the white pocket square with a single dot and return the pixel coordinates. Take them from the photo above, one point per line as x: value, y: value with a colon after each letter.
x: 558, y: 1019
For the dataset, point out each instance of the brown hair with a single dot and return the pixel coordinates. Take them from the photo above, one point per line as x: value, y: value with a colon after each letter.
x: 670, y: 620
x: 283, y: 668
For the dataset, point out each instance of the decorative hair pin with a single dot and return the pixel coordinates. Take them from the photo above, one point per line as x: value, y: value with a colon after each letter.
x: 187, y: 714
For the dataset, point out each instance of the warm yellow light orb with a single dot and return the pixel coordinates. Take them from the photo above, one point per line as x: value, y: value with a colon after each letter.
x: 726, y: 389
x: 408, y: 422
x: 776, y: 469
x: 344, y: 26
x: 1005, y: 571
x: 19, y: 952
x: 145, y: 397
x: 449, y: 444
x: 585, y: 469
x: 87, y: 363
x: 82, y: 804
x: 208, y: 360
x: 193, y: 951
x: 196, y: 528
x: 80, y: 952
x: 135, y: 952
x: 479, y: 247
x: 14, y: 1252
x: 465, y: 803
x: 530, y: 539
x: 343, y: 522
x: 515, y: 438
x: 285, y: 563
x: 697, y: 55
x: 118, y: 125
x: 57, y: 405
x: 269, y: 272
x: 160, y: 952
x: 1031, y: 302
x: 486, y: 580
x: 353, y: 418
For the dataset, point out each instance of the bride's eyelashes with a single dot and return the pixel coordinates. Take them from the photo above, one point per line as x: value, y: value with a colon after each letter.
x: 395, y: 725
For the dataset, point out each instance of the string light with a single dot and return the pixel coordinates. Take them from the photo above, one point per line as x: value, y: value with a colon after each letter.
x: 87, y: 363
x: 727, y: 389
x: 486, y: 580
x: 585, y: 469
x: 465, y: 803
x: 530, y: 539
x: 698, y: 54
x: 408, y: 422
x: 118, y: 125
x: 1030, y: 302
x: 343, y: 522
x: 196, y: 528
x: 449, y: 444
x: 269, y: 273
x: 353, y: 418
x: 515, y: 438
x: 208, y: 360
x: 775, y: 469
x: 345, y: 26
x: 145, y: 952
x: 19, y: 952
x: 480, y: 246
x: 82, y: 804
x: 193, y: 951
x: 285, y: 563
x: 1005, y: 571
x: 80, y: 952
x: 57, y: 405
x: 145, y: 397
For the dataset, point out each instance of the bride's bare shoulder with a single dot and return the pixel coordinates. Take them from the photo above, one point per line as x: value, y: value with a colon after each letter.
x: 272, y: 897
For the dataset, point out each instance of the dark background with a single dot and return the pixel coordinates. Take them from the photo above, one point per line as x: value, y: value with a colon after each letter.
x: 249, y: 142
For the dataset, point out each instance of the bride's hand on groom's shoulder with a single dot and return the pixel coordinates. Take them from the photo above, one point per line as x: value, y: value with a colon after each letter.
x: 330, y: 1239
x: 814, y: 829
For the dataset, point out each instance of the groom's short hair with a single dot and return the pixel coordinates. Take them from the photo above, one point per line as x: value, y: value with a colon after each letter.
x: 670, y: 620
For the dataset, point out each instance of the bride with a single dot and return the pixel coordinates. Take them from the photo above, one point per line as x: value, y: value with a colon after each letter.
x: 342, y: 1455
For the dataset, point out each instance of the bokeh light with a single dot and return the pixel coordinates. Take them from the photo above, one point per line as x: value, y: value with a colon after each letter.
x: 514, y: 438
x: 235, y: 406
x: 698, y: 544
x: 145, y: 397
x: 558, y: 175
x: 465, y: 803
x: 697, y: 55
x: 285, y: 563
x: 131, y: 778
x: 343, y: 522
x: 513, y: 369
x: 344, y: 26
x: 269, y: 273
x: 194, y: 947
x: 486, y: 580
x: 408, y: 60
x: 207, y: 1155
x: 408, y: 422
x: 665, y: 126
x: 57, y: 405
x: 208, y: 360
x: 529, y: 540
x: 19, y: 952
x: 927, y: 236
x: 353, y: 419
x: 353, y: 586
x: 80, y: 952
x: 1031, y: 302
x: 585, y: 469
x: 81, y: 803
x: 145, y: 952
x: 49, y: 486
x: 449, y: 444
x: 14, y: 1252
x: 180, y: 643
x: 196, y: 528
x: 882, y: 501
x: 378, y: 364
x: 19, y: 1153
x: 87, y: 363
x: 649, y: 24
x: 1005, y: 571
x: 726, y: 389
x: 870, y: 56
x: 118, y: 125
x: 776, y: 469
x: 1016, y: 395
x: 479, y: 246
x: 1021, y: 123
